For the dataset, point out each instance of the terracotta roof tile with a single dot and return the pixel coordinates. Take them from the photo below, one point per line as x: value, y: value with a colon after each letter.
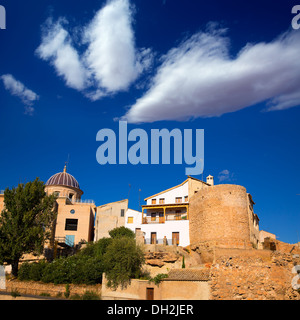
x: 188, y: 275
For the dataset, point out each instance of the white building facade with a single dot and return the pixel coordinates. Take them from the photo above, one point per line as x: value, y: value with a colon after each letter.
x: 165, y: 217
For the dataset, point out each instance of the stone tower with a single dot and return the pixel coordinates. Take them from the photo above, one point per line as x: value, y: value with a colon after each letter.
x: 219, y: 216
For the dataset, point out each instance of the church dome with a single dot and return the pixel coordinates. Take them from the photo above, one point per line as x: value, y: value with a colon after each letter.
x: 63, y: 179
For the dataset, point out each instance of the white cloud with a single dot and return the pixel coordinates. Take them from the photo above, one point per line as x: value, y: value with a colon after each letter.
x: 200, y: 79
x: 111, y: 61
x: 17, y: 88
x: 57, y: 48
x: 224, y: 175
x: 111, y: 55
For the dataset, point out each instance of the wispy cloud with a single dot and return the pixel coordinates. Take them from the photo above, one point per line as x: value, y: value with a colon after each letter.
x: 110, y: 63
x: 199, y: 78
x: 18, y: 89
x: 56, y: 47
x: 225, y: 175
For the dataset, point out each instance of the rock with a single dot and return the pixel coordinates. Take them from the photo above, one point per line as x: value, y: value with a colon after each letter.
x: 155, y: 262
x: 170, y: 257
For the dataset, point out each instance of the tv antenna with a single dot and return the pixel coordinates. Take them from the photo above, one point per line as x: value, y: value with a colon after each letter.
x: 140, y: 207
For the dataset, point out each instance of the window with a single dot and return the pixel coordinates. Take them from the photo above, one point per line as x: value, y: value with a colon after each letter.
x: 71, y: 196
x: 71, y: 224
x: 153, y: 201
x: 56, y: 193
x: 130, y: 220
x: 186, y: 199
x: 72, y: 211
x: 122, y: 213
x: 162, y: 200
x: 178, y: 199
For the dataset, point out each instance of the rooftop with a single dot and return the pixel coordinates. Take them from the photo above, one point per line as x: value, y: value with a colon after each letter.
x: 188, y: 275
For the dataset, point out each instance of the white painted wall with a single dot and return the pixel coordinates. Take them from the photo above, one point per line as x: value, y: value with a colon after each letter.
x: 161, y: 229
x: 137, y: 219
x: 166, y: 229
x: 170, y: 196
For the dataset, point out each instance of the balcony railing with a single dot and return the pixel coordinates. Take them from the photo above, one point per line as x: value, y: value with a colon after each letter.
x: 88, y: 201
x: 171, y: 217
x: 64, y: 242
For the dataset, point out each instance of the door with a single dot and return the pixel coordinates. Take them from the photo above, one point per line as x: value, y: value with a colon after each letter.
x: 161, y: 217
x: 175, y: 238
x: 153, y: 216
x: 149, y: 293
x: 153, y: 237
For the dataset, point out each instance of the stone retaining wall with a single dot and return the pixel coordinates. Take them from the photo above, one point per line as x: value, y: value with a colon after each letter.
x: 38, y: 288
x: 236, y: 277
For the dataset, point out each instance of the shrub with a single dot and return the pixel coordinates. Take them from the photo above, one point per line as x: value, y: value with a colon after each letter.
x: 15, y: 293
x: 122, y: 232
x: 24, y: 271
x: 90, y: 295
x: 36, y: 270
x: 159, y: 277
x: 67, y: 292
x: 96, y: 249
x: 118, y: 256
x: 183, y: 263
x: 32, y: 271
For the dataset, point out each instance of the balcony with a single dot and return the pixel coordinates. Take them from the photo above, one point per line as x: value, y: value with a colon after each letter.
x: 64, y: 242
x: 75, y: 201
x: 168, y: 217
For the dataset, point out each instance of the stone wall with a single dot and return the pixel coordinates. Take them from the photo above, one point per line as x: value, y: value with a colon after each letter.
x: 166, y: 290
x: 235, y: 276
x: 38, y: 288
x: 220, y: 213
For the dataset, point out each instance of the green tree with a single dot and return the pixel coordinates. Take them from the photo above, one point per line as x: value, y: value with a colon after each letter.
x: 121, y: 232
x: 122, y: 261
x: 26, y: 221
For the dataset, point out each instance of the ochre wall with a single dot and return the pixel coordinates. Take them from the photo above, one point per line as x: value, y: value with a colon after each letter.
x: 220, y: 213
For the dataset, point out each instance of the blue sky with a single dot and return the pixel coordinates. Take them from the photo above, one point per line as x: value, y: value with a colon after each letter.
x: 232, y: 68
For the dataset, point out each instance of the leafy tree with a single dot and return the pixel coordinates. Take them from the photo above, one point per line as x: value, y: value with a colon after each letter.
x: 122, y: 261
x: 121, y: 232
x: 26, y: 221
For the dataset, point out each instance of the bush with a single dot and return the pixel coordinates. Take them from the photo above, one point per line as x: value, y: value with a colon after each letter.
x: 32, y: 271
x: 118, y: 256
x: 96, y: 249
x: 159, y: 277
x: 75, y: 269
x: 122, y: 232
x: 24, y: 271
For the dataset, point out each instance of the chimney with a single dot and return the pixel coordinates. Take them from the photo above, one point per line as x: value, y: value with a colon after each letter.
x: 210, y: 180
